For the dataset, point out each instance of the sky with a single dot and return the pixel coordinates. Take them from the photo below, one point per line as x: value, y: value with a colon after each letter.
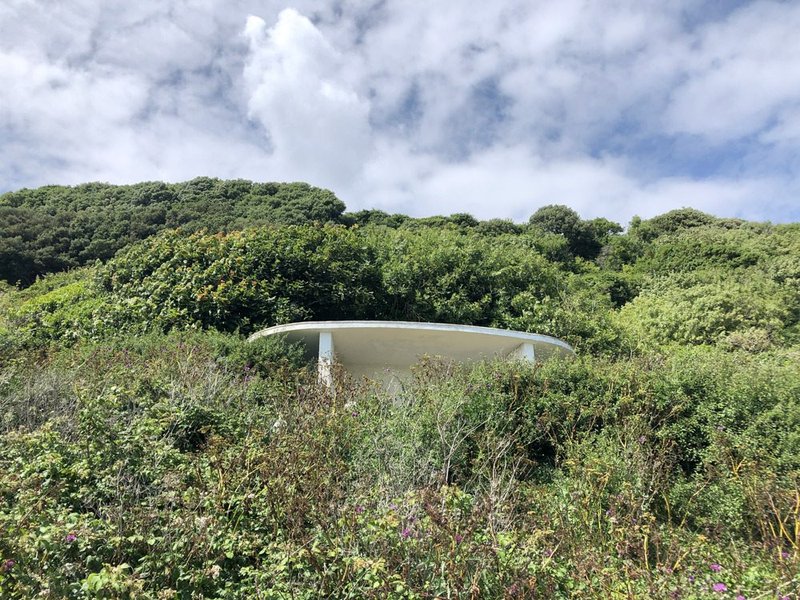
x: 615, y: 108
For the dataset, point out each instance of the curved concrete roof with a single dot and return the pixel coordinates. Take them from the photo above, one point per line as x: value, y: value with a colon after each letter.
x: 399, y: 344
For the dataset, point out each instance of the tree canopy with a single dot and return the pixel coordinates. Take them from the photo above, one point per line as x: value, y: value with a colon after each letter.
x: 54, y: 228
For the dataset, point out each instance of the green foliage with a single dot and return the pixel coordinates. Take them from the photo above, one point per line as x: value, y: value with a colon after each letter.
x: 453, y: 277
x: 580, y: 313
x: 243, y: 279
x: 147, y: 450
x: 738, y: 287
x: 54, y: 228
x: 498, y: 227
x: 748, y: 313
x: 377, y: 217
x: 708, y: 247
x: 166, y: 466
x: 670, y: 222
x: 584, y: 238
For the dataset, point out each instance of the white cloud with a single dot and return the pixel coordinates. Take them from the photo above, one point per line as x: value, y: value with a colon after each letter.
x: 317, y: 123
x: 65, y: 114
x: 745, y: 70
x: 520, y: 182
x: 786, y: 129
x: 494, y: 108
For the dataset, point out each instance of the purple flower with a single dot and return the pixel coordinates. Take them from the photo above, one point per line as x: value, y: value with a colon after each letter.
x: 715, y: 567
x: 740, y: 597
x: 458, y: 538
x: 8, y: 565
x: 642, y: 439
x: 406, y: 533
x: 784, y: 554
x: 548, y: 553
x: 359, y: 509
x: 71, y: 537
x: 691, y: 578
x: 719, y: 587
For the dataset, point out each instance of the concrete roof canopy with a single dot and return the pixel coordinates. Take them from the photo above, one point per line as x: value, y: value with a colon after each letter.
x: 377, y: 348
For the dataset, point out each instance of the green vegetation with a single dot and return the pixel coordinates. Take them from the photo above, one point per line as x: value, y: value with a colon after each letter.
x: 148, y: 451
x: 54, y: 228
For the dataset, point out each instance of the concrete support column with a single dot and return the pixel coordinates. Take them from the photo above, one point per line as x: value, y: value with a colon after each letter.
x: 325, y: 360
x: 524, y: 352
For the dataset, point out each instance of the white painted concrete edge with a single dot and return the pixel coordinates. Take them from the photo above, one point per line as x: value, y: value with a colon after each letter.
x: 331, y: 326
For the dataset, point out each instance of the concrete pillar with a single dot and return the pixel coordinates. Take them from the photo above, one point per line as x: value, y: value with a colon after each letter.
x: 325, y: 360
x: 524, y: 352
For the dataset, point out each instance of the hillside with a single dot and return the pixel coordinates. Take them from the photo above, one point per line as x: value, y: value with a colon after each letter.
x: 147, y: 451
x: 55, y: 228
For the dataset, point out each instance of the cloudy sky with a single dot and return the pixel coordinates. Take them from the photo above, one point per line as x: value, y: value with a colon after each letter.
x: 614, y: 107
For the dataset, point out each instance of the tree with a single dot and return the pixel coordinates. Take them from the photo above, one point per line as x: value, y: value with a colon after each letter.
x: 584, y: 238
x: 53, y: 228
x: 670, y: 222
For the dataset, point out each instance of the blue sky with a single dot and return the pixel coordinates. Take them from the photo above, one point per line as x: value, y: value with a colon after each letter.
x: 615, y: 108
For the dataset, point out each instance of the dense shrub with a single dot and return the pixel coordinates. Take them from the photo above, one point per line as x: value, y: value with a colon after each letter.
x: 147, y: 450
x: 171, y: 467
x: 448, y: 276
x: 242, y: 279
x: 750, y: 312
x: 53, y: 228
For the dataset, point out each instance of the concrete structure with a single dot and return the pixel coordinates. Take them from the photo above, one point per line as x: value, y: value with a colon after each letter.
x: 386, y: 350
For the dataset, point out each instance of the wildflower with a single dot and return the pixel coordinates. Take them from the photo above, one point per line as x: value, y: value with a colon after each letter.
x: 719, y: 587
x: 642, y: 439
x: 359, y: 509
x: 71, y: 537
x: 406, y: 533
x: 458, y: 538
x: 784, y: 554
x: 7, y: 565
x: 548, y: 553
x: 740, y: 597
x: 715, y: 567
